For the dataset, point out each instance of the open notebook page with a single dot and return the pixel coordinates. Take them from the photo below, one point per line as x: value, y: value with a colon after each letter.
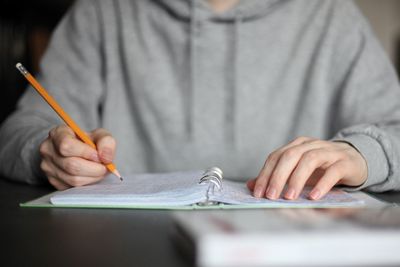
x: 160, y: 189
x: 237, y: 193
x: 180, y: 189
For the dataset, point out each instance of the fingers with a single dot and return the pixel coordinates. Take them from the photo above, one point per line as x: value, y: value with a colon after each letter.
x: 305, y: 154
x: 80, y: 167
x: 260, y: 188
x: 331, y: 177
x: 61, y: 180
x: 309, y: 161
x: 67, y: 144
x: 67, y: 161
x: 58, y: 184
x: 105, y: 144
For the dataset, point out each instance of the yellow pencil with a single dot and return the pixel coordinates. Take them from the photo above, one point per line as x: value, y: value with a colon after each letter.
x: 66, y: 118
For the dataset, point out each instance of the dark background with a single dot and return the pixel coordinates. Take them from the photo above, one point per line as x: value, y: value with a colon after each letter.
x: 26, y: 26
x: 25, y: 29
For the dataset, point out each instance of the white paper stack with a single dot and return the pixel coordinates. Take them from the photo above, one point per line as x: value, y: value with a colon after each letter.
x: 291, y: 237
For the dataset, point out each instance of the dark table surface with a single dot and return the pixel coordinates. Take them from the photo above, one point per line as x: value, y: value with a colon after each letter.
x: 87, y: 237
x: 81, y: 237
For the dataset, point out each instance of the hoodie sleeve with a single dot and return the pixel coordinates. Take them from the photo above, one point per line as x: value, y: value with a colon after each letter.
x: 71, y: 72
x: 369, y: 102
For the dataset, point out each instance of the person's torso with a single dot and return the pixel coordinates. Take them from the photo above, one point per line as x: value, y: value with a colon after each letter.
x: 200, y: 92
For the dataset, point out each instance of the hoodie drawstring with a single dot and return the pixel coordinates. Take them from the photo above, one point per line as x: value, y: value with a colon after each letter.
x: 189, y: 106
x: 233, y: 83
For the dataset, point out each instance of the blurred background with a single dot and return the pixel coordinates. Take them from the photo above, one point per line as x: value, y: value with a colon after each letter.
x: 26, y: 26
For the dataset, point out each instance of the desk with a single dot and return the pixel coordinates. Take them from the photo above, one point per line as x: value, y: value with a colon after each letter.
x: 86, y: 237
x: 81, y: 237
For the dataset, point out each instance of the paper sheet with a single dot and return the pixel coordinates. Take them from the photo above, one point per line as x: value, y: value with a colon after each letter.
x: 182, y: 189
x: 163, y: 189
x: 237, y: 193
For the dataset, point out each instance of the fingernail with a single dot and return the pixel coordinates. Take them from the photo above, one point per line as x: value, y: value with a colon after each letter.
x: 315, y: 194
x: 271, y: 193
x: 258, y: 192
x: 95, y: 157
x: 290, y: 193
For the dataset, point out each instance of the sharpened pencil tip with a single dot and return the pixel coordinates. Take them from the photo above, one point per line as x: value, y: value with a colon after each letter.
x: 116, y: 172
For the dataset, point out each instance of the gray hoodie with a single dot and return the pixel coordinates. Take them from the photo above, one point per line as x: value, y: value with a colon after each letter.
x: 181, y: 87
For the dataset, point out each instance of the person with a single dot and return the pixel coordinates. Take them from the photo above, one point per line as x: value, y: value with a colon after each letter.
x: 300, y: 89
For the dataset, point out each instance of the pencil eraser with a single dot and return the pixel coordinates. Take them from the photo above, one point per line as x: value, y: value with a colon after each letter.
x: 21, y: 68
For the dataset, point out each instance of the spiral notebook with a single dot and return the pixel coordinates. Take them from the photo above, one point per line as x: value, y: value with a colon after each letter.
x: 180, y: 190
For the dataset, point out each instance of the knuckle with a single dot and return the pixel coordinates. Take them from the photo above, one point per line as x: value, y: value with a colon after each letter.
x: 99, y: 131
x: 260, y: 181
x: 301, y: 139
x: 104, y: 131
x: 345, y: 156
x: 311, y: 156
x: 43, y: 150
x: 56, y: 130
x: 319, y: 142
x: 272, y: 158
x: 52, y: 132
x: 275, y: 178
x: 335, y: 171
x: 43, y: 166
x: 75, y: 181
x: 290, y: 153
x: 72, y: 166
x: 65, y: 147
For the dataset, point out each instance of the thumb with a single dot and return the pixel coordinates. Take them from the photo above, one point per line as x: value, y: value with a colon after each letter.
x: 105, y: 144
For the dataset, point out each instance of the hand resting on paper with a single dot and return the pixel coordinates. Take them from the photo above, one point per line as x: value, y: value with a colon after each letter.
x: 321, y: 164
x: 68, y: 162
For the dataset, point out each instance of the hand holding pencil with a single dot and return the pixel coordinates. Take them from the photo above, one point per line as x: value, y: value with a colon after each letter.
x: 71, y: 157
x: 67, y: 161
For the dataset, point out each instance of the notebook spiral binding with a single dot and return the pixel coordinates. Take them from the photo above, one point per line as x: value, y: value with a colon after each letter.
x: 213, y: 177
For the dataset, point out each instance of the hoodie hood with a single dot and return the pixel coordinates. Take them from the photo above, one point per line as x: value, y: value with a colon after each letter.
x: 248, y: 9
x: 194, y: 11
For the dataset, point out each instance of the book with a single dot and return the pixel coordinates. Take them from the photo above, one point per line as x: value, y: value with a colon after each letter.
x: 289, y: 237
x: 181, y: 190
